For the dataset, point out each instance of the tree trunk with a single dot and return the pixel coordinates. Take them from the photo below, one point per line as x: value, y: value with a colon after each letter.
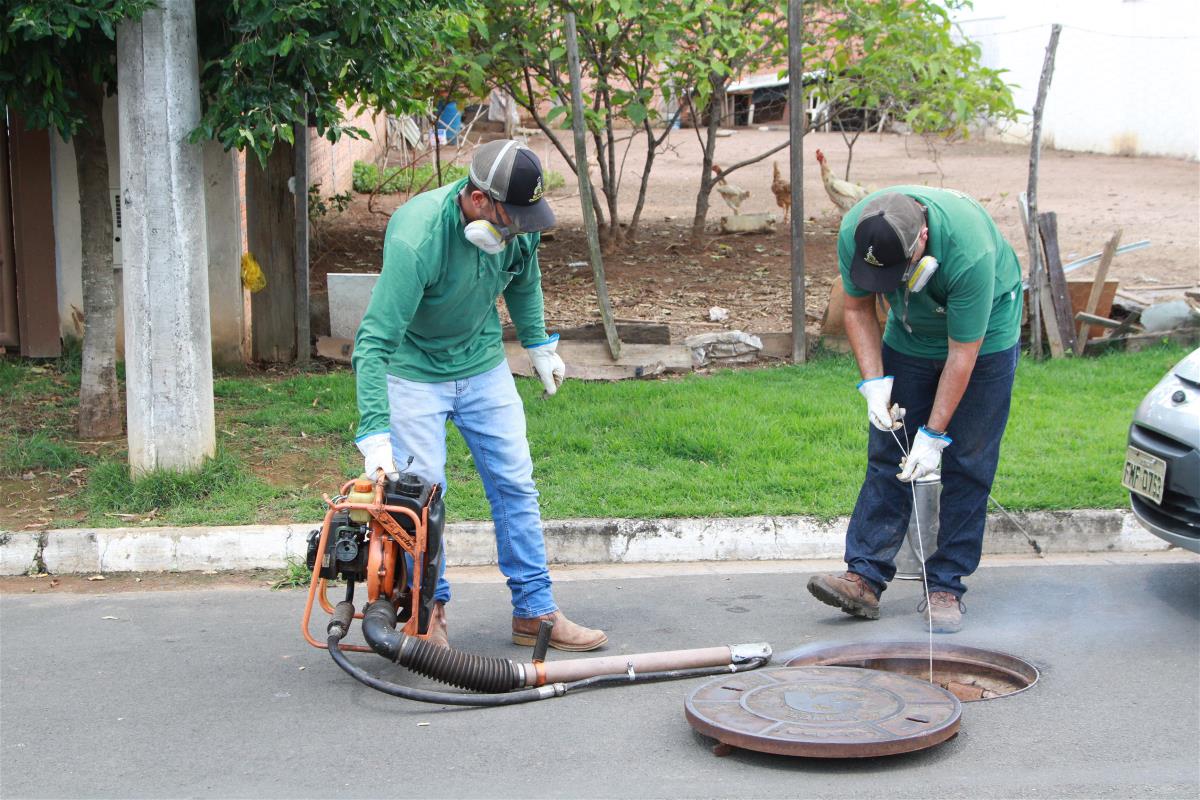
x: 100, y: 412
x: 716, y: 110
x: 270, y: 213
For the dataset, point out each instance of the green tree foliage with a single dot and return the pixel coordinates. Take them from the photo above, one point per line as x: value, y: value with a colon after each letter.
x: 269, y: 64
x: 623, y: 47
x: 898, y: 60
x: 48, y: 48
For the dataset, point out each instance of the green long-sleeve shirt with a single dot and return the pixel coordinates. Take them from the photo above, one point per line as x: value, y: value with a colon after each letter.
x: 433, y: 315
x: 975, y: 293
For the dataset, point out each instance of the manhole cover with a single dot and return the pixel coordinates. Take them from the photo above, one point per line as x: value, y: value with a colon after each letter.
x: 970, y: 673
x: 827, y: 712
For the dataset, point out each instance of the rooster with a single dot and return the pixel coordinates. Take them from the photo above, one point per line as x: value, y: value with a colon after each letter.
x: 844, y: 194
x: 783, y: 192
x: 731, y: 194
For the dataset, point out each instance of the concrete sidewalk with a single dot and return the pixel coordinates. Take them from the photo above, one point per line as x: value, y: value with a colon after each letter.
x: 577, y: 541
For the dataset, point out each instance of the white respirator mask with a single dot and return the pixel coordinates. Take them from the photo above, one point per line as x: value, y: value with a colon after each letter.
x: 488, y: 236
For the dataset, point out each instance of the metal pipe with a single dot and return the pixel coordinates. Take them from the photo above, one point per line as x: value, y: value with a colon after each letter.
x: 633, y: 665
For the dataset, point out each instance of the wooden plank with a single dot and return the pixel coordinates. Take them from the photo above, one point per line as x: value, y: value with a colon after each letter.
x: 584, y: 360
x: 631, y: 332
x: 1110, y: 250
x: 33, y: 241
x: 1039, y: 304
x: 775, y: 344
x: 1185, y: 337
x: 592, y: 360
x: 1137, y: 298
x: 1093, y: 319
x: 1048, y: 228
x: 270, y: 227
x: 9, y: 336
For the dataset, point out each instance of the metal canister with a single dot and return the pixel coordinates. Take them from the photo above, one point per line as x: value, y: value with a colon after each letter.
x: 925, y: 511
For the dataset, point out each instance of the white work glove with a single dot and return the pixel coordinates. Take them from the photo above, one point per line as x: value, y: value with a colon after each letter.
x: 547, y: 364
x: 878, y: 392
x: 377, y: 455
x: 924, y: 457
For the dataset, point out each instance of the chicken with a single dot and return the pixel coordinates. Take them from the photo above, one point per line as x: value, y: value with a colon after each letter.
x: 732, y: 195
x: 844, y: 194
x: 783, y: 192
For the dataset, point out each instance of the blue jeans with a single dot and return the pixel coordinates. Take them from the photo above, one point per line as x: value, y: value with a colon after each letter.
x: 881, y: 515
x: 488, y: 412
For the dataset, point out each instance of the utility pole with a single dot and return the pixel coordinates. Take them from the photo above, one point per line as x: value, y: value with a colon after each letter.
x: 168, y: 351
x: 797, y: 124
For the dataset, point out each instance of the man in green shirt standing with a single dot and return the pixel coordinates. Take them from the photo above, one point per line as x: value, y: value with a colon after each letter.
x: 944, y: 368
x: 429, y: 350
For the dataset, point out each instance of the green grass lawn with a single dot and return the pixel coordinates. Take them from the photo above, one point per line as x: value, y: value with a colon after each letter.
x: 786, y: 440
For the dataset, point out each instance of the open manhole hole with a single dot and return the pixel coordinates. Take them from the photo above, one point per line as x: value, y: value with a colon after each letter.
x: 969, y: 673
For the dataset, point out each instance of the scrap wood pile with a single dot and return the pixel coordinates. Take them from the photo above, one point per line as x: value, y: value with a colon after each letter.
x: 1096, y: 316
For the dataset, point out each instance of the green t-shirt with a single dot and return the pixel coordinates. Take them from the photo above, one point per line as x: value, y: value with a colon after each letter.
x: 976, y: 291
x: 432, y: 315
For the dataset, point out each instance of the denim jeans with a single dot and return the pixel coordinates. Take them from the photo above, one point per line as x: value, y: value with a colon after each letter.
x: 881, y: 515
x: 488, y: 412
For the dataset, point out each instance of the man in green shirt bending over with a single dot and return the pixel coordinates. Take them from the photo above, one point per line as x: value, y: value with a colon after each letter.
x: 429, y: 350
x: 943, y: 369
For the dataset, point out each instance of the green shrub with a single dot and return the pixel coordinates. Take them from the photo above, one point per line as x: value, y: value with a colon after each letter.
x: 554, y: 180
x: 369, y: 178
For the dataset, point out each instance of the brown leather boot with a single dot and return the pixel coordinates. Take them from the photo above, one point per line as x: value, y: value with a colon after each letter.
x: 943, y: 612
x: 566, y: 635
x: 849, y: 591
x: 438, y: 633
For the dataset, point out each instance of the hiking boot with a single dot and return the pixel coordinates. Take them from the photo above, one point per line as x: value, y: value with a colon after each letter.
x: 849, y: 591
x: 565, y: 635
x: 438, y: 634
x: 944, y: 612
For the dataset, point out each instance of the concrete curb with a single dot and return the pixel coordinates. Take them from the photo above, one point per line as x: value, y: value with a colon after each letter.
x: 577, y: 541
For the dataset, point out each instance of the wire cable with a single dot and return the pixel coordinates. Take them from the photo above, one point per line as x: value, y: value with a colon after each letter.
x: 920, y: 545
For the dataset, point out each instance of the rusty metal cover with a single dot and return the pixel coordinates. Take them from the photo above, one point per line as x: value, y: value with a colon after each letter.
x: 826, y: 712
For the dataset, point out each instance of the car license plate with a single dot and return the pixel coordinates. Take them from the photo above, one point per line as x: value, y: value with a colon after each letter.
x: 1144, y: 474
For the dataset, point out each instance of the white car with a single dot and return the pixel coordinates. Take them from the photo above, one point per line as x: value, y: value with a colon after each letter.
x: 1162, y: 459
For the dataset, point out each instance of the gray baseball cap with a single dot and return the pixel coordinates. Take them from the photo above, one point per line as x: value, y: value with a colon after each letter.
x: 511, y: 174
x: 884, y: 241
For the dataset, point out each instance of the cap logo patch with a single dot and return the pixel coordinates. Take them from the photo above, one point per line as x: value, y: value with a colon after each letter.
x: 538, y: 191
x: 870, y: 257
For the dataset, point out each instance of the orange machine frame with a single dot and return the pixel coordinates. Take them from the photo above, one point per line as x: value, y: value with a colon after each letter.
x: 384, y: 537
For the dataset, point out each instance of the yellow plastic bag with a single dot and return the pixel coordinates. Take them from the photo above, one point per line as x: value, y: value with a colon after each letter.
x: 252, y: 274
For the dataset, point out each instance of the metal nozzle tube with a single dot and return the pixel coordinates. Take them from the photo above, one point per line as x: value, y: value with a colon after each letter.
x: 580, y: 668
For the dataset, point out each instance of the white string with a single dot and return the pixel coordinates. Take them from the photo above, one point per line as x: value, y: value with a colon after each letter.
x: 920, y: 546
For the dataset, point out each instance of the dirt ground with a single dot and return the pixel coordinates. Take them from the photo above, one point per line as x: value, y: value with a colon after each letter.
x: 660, y: 276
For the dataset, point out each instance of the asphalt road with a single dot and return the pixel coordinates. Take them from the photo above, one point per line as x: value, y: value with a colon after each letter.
x: 214, y: 694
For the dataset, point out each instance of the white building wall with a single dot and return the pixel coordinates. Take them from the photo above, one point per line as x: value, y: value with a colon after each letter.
x: 1125, y: 77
